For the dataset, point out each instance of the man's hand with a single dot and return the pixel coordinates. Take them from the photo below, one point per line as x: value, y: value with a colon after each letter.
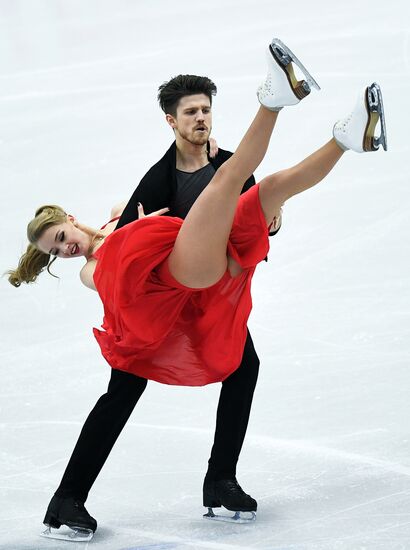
x: 213, y: 148
x: 141, y: 213
x: 276, y: 223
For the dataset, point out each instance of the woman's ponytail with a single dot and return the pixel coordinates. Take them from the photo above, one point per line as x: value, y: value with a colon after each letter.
x: 34, y: 261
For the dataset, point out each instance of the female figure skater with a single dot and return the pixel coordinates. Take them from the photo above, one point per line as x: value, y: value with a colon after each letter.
x: 176, y: 293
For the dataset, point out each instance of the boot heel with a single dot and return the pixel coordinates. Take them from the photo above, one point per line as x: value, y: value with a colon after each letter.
x: 209, y: 501
x: 302, y: 89
x: 51, y: 521
x: 369, y: 133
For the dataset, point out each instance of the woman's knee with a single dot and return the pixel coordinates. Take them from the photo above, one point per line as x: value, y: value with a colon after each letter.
x: 273, y: 185
x: 272, y: 195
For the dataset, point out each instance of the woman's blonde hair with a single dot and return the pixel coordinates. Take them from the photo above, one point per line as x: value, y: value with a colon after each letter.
x: 34, y: 261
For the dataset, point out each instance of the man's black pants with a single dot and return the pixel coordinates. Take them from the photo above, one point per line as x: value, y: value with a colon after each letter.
x: 112, y: 410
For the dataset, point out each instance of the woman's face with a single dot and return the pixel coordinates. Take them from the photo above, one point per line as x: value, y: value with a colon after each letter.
x: 64, y: 240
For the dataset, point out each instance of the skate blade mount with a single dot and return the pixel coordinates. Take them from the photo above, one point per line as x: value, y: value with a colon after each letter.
x: 281, y: 49
x: 68, y: 534
x: 236, y: 518
x: 376, y: 111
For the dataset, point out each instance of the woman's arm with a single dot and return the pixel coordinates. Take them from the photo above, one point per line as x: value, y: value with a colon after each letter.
x: 87, y: 274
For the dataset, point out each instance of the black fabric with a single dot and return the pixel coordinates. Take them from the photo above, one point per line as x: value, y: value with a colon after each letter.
x: 189, y: 186
x: 100, y: 431
x: 158, y: 187
x: 111, y: 412
x: 107, y: 419
x: 232, y: 416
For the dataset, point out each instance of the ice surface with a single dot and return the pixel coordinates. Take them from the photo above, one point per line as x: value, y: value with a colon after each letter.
x: 327, y: 453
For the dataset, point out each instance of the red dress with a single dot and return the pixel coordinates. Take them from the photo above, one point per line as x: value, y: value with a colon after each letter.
x: 158, y: 329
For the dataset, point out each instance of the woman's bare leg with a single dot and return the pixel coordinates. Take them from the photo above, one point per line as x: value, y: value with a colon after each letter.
x: 199, y: 256
x: 274, y: 190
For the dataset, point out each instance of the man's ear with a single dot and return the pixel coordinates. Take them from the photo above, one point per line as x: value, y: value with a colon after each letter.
x: 171, y: 121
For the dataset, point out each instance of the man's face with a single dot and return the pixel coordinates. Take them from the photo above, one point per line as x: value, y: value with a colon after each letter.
x: 193, y: 120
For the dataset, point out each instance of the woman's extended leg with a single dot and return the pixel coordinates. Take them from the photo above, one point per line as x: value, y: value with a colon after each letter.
x: 356, y: 132
x: 199, y: 256
x: 199, y: 259
x: 277, y: 188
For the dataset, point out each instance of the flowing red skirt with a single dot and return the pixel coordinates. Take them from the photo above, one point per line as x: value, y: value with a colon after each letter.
x: 158, y: 329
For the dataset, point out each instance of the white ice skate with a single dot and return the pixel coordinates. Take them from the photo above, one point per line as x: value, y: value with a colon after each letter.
x: 281, y: 86
x: 357, y: 131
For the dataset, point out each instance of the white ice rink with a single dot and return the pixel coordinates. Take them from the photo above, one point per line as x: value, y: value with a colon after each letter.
x: 327, y: 454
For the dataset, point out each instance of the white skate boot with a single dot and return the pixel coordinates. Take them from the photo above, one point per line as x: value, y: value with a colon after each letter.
x: 281, y: 87
x: 356, y: 132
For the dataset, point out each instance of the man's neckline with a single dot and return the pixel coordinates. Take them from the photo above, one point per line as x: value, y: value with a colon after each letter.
x: 193, y: 171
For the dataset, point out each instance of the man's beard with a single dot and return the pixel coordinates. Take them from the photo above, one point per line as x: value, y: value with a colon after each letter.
x: 196, y: 138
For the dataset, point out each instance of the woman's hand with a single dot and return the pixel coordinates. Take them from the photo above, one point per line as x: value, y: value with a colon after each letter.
x: 213, y: 148
x: 141, y: 213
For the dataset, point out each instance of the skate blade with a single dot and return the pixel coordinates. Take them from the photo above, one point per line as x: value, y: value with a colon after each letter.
x: 236, y: 518
x: 374, y: 104
x: 309, y: 78
x: 68, y: 534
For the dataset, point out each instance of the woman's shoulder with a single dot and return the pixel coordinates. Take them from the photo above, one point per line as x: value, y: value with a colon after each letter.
x: 118, y: 209
x: 115, y: 215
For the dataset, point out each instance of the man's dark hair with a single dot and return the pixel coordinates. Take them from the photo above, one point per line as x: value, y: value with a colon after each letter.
x: 170, y: 93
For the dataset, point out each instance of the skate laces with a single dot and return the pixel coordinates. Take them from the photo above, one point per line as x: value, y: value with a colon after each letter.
x: 266, y: 89
x: 344, y: 123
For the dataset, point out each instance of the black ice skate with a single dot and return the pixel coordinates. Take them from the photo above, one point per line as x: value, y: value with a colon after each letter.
x: 229, y: 494
x: 71, y: 513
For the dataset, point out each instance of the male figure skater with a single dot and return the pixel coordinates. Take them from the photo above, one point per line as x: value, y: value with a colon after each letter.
x: 175, y: 181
